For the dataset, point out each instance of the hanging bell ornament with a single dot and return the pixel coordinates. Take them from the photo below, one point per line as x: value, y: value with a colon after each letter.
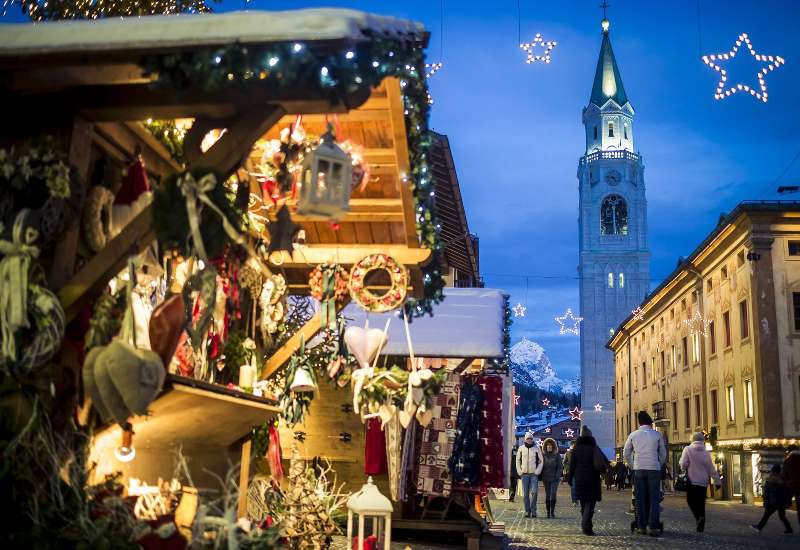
x: 302, y: 381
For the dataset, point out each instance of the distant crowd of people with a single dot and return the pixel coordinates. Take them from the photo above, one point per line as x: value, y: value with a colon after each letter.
x: 645, y: 469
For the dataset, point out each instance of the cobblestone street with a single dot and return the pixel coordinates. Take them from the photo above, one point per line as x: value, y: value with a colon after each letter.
x: 727, y: 525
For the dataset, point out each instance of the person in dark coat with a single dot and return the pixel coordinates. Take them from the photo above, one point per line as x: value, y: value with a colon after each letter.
x: 551, y: 474
x: 791, y: 475
x: 775, y: 498
x: 586, y: 465
x: 621, y: 474
x: 512, y: 490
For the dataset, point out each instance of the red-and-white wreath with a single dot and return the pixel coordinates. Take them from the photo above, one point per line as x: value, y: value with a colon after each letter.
x: 396, y: 294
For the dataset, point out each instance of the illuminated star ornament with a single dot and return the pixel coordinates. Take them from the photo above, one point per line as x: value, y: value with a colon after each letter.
x: 519, y: 310
x: 569, y: 432
x: 547, y: 47
x: 697, y: 324
x: 769, y: 64
x: 430, y: 70
x: 598, y: 407
x: 516, y: 399
x: 546, y: 402
x: 638, y: 314
x: 547, y: 430
x: 576, y: 414
x: 569, y: 323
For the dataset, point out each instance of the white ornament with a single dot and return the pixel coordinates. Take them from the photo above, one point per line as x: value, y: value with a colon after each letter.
x: 546, y: 46
x: 519, y: 310
x: 569, y: 319
x: 598, y: 407
x: 569, y: 432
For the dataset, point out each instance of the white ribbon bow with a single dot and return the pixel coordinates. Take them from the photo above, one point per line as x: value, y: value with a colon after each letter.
x: 14, y: 281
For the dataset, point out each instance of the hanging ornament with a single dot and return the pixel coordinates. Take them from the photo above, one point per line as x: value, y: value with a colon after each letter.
x: 569, y: 432
x: 697, y: 324
x: 548, y: 429
x: 638, y: 314
x: 282, y: 232
x: 519, y: 310
x: 569, y: 323
x: 598, y: 407
x: 576, y: 413
x: 326, y: 181
x: 516, y: 400
x: 272, y: 308
x: 547, y: 47
x: 430, y: 70
x: 546, y: 402
x: 769, y: 63
x: 328, y: 284
x: 398, y: 277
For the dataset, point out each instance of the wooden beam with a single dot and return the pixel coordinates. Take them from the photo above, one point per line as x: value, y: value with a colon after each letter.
x: 403, y: 162
x: 244, y: 477
x: 305, y: 256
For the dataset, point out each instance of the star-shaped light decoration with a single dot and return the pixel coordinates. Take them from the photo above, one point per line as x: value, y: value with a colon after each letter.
x: 569, y: 432
x: 569, y: 319
x: 638, y: 314
x: 547, y: 430
x: 576, y: 413
x: 516, y: 399
x: 547, y: 47
x: 430, y: 70
x: 770, y: 63
x: 598, y: 407
x: 546, y: 402
x: 519, y: 310
x: 697, y: 324
x: 282, y: 232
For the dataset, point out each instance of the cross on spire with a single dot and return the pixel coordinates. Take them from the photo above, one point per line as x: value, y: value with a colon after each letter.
x: 605, y: 5
x: 604, y: 23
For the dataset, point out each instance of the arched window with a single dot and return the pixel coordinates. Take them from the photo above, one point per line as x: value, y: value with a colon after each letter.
x: 595, y: 132
x: 614, y: 216
x: 610, y: 280
x: 625, y: 131
x: 622, y: 280
x: 610, y: 129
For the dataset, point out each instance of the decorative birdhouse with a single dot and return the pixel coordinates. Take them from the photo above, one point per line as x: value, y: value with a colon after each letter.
x: 326, y: 181
x: 370, y: 505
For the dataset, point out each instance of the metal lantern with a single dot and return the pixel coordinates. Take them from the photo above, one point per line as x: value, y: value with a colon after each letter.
x: 368, y: 502
x: 326, y: 181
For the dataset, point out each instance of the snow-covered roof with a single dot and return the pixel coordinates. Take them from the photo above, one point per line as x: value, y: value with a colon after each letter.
x: 468, y: 323
x: 184, y: 30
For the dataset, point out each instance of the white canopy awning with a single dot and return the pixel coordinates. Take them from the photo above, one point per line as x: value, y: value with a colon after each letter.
x: 467, y: 324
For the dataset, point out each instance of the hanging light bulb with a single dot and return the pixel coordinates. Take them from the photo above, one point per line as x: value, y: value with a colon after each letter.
x: 126, y: 451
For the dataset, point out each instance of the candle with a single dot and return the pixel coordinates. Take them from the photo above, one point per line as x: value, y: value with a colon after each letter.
x: 247, y: 376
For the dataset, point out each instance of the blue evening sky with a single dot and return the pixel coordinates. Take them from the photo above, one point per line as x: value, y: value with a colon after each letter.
x: 516, y: 132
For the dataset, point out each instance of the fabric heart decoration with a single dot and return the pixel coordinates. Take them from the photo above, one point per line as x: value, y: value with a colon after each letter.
x: 364, y: 344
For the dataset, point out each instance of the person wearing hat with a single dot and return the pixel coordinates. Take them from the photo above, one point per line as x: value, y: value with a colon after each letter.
x: 696, y: 462
x: 775, y: 499
x: 646, y: 453
x: 529, y: 466
x: 586, y: 467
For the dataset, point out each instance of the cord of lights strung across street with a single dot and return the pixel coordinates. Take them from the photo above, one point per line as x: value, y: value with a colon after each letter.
x: 697, y: 324
x: 771, y: 62
x: 547, y: 47
x: 569, y: 319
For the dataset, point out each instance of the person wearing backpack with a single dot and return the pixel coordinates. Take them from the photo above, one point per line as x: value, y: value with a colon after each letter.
x: 696, y: 462
x: 529, y: 467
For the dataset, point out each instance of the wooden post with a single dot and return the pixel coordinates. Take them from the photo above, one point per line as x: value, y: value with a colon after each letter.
x: 244, y: 477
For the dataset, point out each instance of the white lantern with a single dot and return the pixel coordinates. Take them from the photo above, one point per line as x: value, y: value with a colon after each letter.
x: 326, y: 181
x: 368, y: 502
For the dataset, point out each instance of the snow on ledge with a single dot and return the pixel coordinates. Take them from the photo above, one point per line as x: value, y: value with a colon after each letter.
x: 186, y: 30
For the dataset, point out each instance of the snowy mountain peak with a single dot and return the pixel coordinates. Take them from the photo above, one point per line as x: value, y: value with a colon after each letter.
x: 526, y: 352
x: 530, y: 366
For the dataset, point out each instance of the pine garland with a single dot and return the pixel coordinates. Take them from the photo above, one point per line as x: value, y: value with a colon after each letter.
x: 54, y: 10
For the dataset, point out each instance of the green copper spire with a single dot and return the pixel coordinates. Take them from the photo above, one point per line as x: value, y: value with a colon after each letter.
x: 607, y: 80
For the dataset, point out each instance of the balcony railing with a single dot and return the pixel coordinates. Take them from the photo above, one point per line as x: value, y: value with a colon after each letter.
x: 597, y: 155
x: 660, y: 412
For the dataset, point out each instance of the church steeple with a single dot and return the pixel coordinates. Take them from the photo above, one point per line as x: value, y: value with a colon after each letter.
x: 607, y: 79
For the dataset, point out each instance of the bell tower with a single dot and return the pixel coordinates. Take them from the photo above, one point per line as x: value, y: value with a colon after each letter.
x: 614, y: 261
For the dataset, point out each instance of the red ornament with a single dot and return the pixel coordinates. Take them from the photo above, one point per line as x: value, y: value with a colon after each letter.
x: 134, y: 183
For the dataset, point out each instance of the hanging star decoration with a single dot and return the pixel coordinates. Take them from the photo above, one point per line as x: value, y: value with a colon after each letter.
x: 769, y: 64
x: 598, y: 407
x: 546, y: 402
x: 430, y: 70
x: 576, y: 413
x: 519, y: 310
x: 697, y: 323
x: 569, y: 432
x: 282, y: 232
x: 547, y: 430
x: 516, y: 399
x: 547, y: 47
x: 569, y: 319
x: 638, y: 314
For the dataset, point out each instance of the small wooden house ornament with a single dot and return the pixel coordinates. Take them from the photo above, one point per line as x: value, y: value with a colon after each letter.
x: 326, y: 181
x: 368, y: 502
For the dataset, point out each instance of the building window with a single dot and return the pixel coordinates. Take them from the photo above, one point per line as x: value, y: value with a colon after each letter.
x: 595, y: 132
x: 622, y: 280
x: 685, y: 352
x: 731, y: 399
x: 653, y: 368
x: 675, y: 416
x: 794, y: 248
x: 672, y: 314
x: 674, y: 359
x: 709, y: 285
x: 724, y: 273
x: 625, y: 131
x: 796, y: 304
x: 610, y: 129
x: 744, y: 328
x: 614, y: 216
x: 726, y: 322
x: 663, y: 366
x: 714, y: 406
x: 712, y: 338
x: 740, y: 258
x: 611, y: 332
x: 644, y: 374
x: 635, y: 377
x: 696, y: 347
x: 748, y: 399
x: 697, y: 414
x: 687, y: 414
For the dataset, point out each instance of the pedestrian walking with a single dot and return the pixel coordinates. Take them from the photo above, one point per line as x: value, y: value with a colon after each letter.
x: 551, y: 474
x: 696, y: 462
x: 791, y: 475
x: 666, y: 483
x: 621, y: 474
x: 512, y: 490
x: 608, y: 476
x: 587, y: 463
x: 529, y: 467
x: 645, y: 453
x: 775, y: 498
x: 567, y: 458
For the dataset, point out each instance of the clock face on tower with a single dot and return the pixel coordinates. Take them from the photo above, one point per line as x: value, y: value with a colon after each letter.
x: 613, y: 177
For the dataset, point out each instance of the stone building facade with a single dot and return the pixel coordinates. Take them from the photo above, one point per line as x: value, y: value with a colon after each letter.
x: 716, y: 347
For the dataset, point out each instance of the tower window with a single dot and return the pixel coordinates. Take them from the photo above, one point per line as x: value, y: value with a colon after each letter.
x: 610, y: 280
x: 614, y: 216
x: 595, y: 132
x: 610, y: 129
x: 622, y: 280
x: 625, y: 131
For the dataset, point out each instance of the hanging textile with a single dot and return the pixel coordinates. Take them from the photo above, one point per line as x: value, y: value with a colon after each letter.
x: 374, y: 448
x: 491, y: 423
x: 437, y: 440
x: 465, y: 462
x: 508, y: 426
x: 407, y: 461
x: 392, y: 432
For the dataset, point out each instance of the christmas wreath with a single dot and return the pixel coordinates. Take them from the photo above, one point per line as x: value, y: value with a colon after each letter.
x: 398, y: 277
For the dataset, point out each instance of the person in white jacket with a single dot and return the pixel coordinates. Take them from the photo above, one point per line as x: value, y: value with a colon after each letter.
x: 696, y: 462
x: 529, y: 466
